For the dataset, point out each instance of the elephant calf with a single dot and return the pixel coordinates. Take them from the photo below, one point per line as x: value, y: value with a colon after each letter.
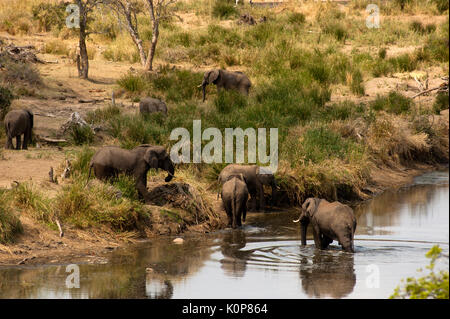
x: 18, y: 122
x: 330, y: 221
x: 234, y: 198
x: 150, y: 105
x: 109, y: 161
x: 227, y: 80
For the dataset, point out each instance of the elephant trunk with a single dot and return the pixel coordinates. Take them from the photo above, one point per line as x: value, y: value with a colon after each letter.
x: 170, y: 170
x: 204, y: 91
x: 303, y: 229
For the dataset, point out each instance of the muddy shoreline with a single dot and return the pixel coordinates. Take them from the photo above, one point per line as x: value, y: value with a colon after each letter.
x: 39, y: 245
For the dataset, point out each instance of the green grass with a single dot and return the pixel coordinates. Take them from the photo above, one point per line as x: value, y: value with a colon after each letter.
x: 392, y: 103
x: 441, y: 102
x: 224, y: 9
x: 10, y: 225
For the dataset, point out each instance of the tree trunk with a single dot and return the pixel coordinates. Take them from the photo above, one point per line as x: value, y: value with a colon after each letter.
x: 83, y: 66
x: 151, y: 52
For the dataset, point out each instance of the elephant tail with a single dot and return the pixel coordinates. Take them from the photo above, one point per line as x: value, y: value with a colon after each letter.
x: 91, y: 165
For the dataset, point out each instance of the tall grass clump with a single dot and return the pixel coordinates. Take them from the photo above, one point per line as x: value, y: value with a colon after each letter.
x: 79, y: 135
x: 226, y: 101
x: 10, y: 225
x: 224, y: 9
x: 80, y: 164
x: 28, y: 197
x: 441, y: 102
x: 133, y: 83
x: 392, y: 103
x: 6, y: 98
x: 102, y: 115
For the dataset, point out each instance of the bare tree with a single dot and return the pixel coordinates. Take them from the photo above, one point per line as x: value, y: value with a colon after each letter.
x: 128, y: 9
x: 158, y: 10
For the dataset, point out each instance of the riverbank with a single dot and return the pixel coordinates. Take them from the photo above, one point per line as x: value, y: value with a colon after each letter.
x: 41, y: 245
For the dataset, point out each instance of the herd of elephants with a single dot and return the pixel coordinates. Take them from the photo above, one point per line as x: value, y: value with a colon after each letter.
x: 329, y: 220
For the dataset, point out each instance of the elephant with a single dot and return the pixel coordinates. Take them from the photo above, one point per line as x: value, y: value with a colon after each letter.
x: 330, y: 221
x: 255, y: 180
x: 150, y: 105
x: 109, y: 161
x: 18, y: 122
x: 227, y: 80
x: 234, y: 198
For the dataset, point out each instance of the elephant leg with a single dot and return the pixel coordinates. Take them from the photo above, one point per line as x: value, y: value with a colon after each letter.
x: 261, y: 198
x: 25, y: 141
x: 326, y: 241
x: 317, y: 237
x: 253, y: 203
x: 238, y: 213
x: 9, y: 145
x: 228, y: 210
x: 18, y: 142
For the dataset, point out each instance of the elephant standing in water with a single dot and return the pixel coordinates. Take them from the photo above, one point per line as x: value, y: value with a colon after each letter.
x: 234, y: 198
x: 255, y: 177
x: 109, y: 161
x: 18, y: 122
x: 227, y: 80
x: 330, y: 221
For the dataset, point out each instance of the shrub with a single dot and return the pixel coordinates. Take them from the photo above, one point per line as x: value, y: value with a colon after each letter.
x: 80, y: 135
x: 321, y: 143
x: 102, y: 115
x: 10, y: 225
x: 17, y: 71
x: 49, y: 15
x: 56, y: 47
x: 382, y: 53
x: 441, y: 5
x: 432, y: 286
x: 356, y: 83
x: 441, y: 102
x: 5, y: 101
x: 224, y: 9
x: 132, y: 83
x: 337, y: 30
x: 297, y: 18
x: 392, y: 103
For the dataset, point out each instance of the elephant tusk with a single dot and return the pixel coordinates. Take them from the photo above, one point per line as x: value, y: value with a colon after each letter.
x: 199, y: 86
x: 296, y: 221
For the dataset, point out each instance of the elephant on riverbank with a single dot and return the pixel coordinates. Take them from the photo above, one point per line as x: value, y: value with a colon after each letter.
x: 256, y: 177
x: 18, y: 123
x: 150, y: 105
x: 330, y: 221
x: 234, y: 198
x: 109, y: 161
x: 227, y: 80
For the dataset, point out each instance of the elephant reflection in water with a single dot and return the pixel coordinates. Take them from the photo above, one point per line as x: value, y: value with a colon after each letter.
x: 329, y: 275
x: 235, y: 260
x: 157, y: 287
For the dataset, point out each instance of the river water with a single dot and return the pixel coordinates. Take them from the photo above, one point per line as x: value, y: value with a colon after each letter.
x: 265, y: 259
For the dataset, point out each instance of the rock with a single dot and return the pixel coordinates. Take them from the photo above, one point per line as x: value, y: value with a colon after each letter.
x: 178, y: 241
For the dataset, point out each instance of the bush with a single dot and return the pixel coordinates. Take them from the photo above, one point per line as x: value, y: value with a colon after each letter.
x: 49, y: 15
x: 5, y: 101
x: 441, y: 102
x: 337, y: 30
x: 321, y: 143
x: 17, y: 71
x: 224, y: 9
x: 56, y: 47
x: 102, y: 115
x: 80, y: 135
x: 441, y: 5
x: 132, y: 83
x: 10, y: 225
x: 432, y: 286
x: 392, y: 103
x: 297, y: 18
x: 356, y: 83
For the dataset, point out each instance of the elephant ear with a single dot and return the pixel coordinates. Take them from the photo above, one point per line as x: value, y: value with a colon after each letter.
x: 213, y: 76
x: 151, y: 158
x: 309, y: 206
